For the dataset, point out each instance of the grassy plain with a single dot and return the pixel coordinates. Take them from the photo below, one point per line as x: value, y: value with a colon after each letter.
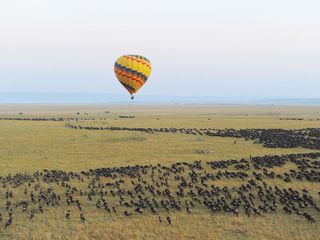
x: 27, y: 146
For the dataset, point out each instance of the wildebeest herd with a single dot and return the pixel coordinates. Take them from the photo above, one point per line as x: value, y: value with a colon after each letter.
x: 237, y: 187
x: 160, y: 190
x: 272, y: 138
x: 299, y: 119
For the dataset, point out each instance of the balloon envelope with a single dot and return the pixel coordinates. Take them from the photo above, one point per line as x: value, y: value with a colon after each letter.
x: 132, y: 71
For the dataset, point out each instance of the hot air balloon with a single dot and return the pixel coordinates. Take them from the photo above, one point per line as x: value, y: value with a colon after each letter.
x: 132, y: 72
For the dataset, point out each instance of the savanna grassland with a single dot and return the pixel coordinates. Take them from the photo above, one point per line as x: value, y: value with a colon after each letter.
x: 32, y: 148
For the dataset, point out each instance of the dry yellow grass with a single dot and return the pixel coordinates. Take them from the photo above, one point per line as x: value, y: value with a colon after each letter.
x: 202, y: 226
x: 27, y: 146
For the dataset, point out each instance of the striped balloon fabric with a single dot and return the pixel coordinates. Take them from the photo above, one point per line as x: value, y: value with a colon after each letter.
x: 132, y: 71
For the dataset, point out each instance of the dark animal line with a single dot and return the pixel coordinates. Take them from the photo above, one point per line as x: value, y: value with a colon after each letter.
x: 271, y: 138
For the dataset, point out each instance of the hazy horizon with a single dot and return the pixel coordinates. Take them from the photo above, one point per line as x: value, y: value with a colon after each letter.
x: 102, y: 98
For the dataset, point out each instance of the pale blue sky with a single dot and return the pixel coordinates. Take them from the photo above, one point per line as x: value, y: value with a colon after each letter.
x: 267, y: 48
